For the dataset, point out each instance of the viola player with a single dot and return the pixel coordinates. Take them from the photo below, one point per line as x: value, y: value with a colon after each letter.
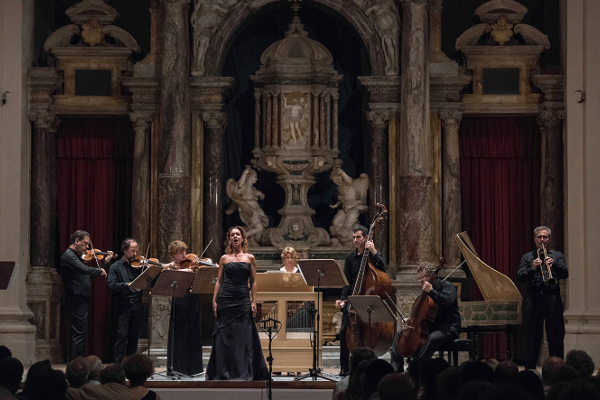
x: 77, y: 287
x: 128, y: 299
x: 446, y: 324
x: 351, y: 269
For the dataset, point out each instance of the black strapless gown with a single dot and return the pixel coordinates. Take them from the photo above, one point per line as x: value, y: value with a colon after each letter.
x: 236, y: 351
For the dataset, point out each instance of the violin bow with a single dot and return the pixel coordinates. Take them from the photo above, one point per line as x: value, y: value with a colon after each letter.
x: 206, y: 248
x: 94, y: 253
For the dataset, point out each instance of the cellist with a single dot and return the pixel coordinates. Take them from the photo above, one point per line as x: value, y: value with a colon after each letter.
x: 351, y: 268
x: 446, y: 324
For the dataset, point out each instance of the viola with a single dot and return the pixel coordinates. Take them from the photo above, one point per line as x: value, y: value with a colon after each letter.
x: 143, y: 262
x: 94, y: 253
x: 371, y: 281
x: 416, y: 331
x: 194, y: 262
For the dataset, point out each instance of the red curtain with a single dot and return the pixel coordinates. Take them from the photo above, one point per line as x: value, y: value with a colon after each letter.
x: 94, y: 163
x: 500, y: 162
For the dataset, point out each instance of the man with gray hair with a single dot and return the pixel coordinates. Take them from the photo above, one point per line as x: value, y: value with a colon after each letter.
x: 543, y: 301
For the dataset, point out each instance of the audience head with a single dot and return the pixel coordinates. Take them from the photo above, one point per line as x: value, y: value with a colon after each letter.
x: 506, y: 371
x: 530, y: 381
x: 448, y: 384
x: 138, y: 368
x: 395, y: 386
x: 77, y: 372
x: 429, y: 369
x: 112, y: 373
x: 506, y: 390
x: 377, y: 370
x: 476, y: 370
x: 52, y: 385
x: 5, y: 352
x: 550, y: 368
x: 36, y: 373
x: 95, y: 365
x: 359, y: 355
x: 580, y: 389
x: 566, y: 374
x: 413, y: 371
x: 473, y: 388
x: 581, y: 361
x: 355, y: 388
x: 11, y: 373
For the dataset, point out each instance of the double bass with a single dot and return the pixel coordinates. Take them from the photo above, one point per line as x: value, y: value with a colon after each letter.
x: 371, y: 281
x: 416, y: 331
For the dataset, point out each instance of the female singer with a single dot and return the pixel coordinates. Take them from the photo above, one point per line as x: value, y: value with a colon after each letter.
x: 184, y: 345
x: 236, y: 351
x: 289, y: 258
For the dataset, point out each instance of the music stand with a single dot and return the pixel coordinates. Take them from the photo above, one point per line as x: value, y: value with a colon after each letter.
x: 326, y: 274
x: 145, y: 278
x: 173, y: 284
x: 205, y: 281
x: 269, y: 326
x: 7, y: 268
x: 372, y: 309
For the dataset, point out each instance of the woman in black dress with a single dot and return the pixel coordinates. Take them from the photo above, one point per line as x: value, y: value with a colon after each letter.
x: 184, y: 345
x: 236, y: 351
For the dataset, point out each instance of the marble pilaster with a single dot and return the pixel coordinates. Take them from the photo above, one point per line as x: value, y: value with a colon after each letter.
x: 451, y: 200
x: 213, y: 182
x: 415, y: 169
x: 551, y: 203
x: 174, y: 156
x: 140, y: 225
x: 378, y: 182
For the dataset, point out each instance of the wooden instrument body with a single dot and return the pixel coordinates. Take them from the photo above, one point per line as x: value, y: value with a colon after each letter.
x: 378, y: 336
x: 416, y: 332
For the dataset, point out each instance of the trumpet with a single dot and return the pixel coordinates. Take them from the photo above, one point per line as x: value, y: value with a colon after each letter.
x: 547, y: 277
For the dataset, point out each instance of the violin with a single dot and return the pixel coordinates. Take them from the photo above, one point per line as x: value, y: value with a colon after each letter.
x: 194, y: 262
x: 416, y: 332
x: 95, y: 253
x: 143, y: 262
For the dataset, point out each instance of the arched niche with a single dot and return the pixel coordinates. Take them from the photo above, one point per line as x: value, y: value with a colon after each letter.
x: 239, y: 14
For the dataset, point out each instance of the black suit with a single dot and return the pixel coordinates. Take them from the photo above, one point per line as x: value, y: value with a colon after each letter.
x: 77, y: 287
x: 129, y: 306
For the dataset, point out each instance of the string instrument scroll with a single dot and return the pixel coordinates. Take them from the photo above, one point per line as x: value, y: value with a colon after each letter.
x: 371, y: 281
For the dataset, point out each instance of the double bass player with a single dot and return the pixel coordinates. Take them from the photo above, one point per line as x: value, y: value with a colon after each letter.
x: 351, y: 269
x: 446, y: 323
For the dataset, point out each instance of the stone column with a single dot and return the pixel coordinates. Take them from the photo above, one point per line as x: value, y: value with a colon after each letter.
x: 43, y: 283
x: 451, y: 200
x: 378, y: 182
x: 213, y: 182
x: 415, y: 170
x: 551, y: 203
x: 175, y: 143
x: 140, y: 208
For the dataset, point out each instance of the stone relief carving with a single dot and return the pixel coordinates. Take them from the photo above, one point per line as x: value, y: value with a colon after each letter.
x: 352, y: 197
x: 245, y: 199
x: 384, y: 14
x: 205, y: 19
x: 295, y: 119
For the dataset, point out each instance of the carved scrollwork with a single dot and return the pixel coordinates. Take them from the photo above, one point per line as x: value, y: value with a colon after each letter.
x: 379, y: 119
x: 215, y: 120
x: 44, y: 121
x: 451, y: 118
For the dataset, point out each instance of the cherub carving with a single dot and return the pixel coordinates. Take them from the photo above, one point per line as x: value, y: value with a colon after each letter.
x: 352, y: 196
x: 245, y: 199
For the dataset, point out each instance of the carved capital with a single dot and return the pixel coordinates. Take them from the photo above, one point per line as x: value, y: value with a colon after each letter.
x: 215, y: 120
x: 451, y: 118
x: 168, y: 3
x: 550, y: 119
x: 406, y: 3
x: 141, y: 120
x: 379, y: 119
x: 44, y: 121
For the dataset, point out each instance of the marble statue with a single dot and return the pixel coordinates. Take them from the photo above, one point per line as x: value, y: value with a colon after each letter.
x: 384, y: 14
x: 245, y: 199
x: 295, y: 118
x: 205, y: 19
x: 352, y: 197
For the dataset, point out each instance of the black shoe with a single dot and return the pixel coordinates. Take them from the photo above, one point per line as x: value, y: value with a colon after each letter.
x: 344, y: 373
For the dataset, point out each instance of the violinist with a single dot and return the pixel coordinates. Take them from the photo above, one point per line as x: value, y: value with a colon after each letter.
x: 446, y: 324
x: 128, y: 299
x: 184, y: 344
x: 77, y: 286
x: 351, y: 269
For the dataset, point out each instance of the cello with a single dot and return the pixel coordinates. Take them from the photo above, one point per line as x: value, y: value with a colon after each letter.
x: 416, y: 331
x: 371, y: 281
